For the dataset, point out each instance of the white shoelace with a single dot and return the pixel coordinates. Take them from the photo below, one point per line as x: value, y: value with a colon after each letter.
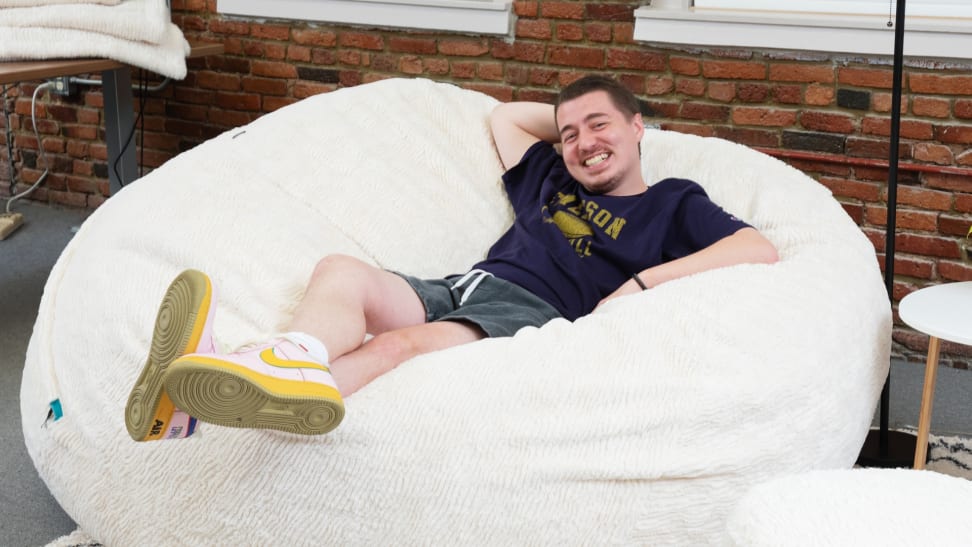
x: 476, y: 276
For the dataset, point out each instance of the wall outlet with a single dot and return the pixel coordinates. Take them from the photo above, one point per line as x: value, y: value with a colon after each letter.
x: 63, y: 86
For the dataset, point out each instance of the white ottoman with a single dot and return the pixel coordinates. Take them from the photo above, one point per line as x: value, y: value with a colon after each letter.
x: 855, y: 507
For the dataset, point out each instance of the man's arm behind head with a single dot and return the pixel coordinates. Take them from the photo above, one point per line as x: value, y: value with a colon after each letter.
x: 517, y: 126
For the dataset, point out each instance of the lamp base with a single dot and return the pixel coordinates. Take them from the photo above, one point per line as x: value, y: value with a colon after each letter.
x: 900, y: 450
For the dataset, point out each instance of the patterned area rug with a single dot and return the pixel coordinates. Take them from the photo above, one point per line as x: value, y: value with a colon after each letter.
x: 947, y: 455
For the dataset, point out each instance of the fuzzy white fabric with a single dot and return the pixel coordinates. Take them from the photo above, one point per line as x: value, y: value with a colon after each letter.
x: 641, y: 423
x: 860, y: 507
x: 140, y: 20
x: 29, y: 3
x: 167, y: 58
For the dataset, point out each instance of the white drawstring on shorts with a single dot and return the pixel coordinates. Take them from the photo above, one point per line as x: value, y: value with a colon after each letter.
x: 477, y: 277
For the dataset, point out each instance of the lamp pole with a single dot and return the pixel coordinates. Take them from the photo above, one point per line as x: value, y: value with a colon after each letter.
x: 891, y: 448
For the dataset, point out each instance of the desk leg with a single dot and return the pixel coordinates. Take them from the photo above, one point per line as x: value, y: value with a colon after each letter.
x: 927, y: 398
x: 119, y: 120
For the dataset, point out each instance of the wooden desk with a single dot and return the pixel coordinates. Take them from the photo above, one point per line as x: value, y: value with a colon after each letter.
x: 116, y: 79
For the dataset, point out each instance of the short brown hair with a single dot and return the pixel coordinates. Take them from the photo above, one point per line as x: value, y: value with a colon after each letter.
x: 621, y: 97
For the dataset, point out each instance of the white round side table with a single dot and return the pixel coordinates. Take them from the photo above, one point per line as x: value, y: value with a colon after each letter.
x: 943, y: 312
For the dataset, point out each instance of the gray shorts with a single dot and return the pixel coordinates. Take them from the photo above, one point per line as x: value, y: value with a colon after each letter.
x: 497, y: 306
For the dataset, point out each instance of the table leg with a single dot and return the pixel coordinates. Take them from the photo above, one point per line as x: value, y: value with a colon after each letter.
x: 927, y: 398
x: 119, y: 121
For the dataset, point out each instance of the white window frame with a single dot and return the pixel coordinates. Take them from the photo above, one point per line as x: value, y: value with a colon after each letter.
x: 835, y: 26
x: 465, y: 16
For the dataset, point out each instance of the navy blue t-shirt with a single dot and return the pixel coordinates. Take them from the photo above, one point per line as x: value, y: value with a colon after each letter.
x: 572, y: 248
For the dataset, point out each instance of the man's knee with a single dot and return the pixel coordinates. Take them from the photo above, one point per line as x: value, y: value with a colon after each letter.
x: 338, y: 265
x: 403, y: 344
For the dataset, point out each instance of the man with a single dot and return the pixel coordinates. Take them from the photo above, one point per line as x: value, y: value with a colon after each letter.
x: 588, y: 229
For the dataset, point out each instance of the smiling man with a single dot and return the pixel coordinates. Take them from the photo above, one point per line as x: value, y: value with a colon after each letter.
x: 587, y: 229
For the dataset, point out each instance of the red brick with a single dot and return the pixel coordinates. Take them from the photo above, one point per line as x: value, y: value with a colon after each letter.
x: 930, y: 106
x: 707, y: 112
x: 954, y: 225
x: 928, y: 245
x: 905, y: 219
x: 659, y: 85
x: 924, y: 198
x: 238, y: 101
x: 909, y: 129
x: 464, y: 48
x: 539, y: 29
x: 964, y: 158
x: 361, y: 40
x: 794, y: 72
x: 298, y: 54
x: 724, y: 92
x: 490, y: 71
x: 265, y: 86
x: 273, y: 69
x: 752, y: 93
x: 948, y: 181
x: 819, y: 95
x: 953, y: 134
x: 218, y: 80
x: 526, y: 9
x: 913, y: 267
x: 410, y: 64
x: 866, y: 191
x: 270, y: 32
x: 734, y: 70
x: 500, y: 93
x: 685, y: 66
x: 609, y: 12
x: 763, y: 116
x: 225, y: 26
x: 690, y: 86
x: 562, y: 10
x: 963, y: 109
x: 623, y: 33
x: 865, y: 77
x: 569, y: 32
x: 824, y: 121
x: 787, y: 94
x: 598, y: 32
x: 408, y: 44
x: 939, y: 84
x: 954, y: 271
x: 855, y: 211
x: 580, y: 57
x: 314, y: 37
x: 635, y: 59
x: 271, y: 104
x: 933, y: 153
x: 438, y: 67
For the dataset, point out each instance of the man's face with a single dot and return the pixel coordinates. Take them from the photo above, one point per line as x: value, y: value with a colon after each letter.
x: 600, y: 144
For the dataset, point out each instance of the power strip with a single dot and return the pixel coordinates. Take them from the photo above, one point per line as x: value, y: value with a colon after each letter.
x: 9, y: 222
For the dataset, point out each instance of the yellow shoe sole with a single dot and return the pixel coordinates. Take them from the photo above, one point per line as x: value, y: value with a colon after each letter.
x: 178, y: 327
x: 223, y: 393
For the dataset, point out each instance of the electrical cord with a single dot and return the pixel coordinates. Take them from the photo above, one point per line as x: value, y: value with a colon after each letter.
x: 143, y: 87
x: 9, y: 140
x: 40, y: 147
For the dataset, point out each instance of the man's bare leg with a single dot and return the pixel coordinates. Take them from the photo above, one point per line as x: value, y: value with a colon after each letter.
x: 345, y: 298
x: 386, y: 351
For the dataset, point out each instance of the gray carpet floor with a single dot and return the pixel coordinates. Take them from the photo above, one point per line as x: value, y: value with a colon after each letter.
x: 30, y: 516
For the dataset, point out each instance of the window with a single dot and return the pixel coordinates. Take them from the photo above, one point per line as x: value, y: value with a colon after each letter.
x: 468, y: 16
x: 933, y: 28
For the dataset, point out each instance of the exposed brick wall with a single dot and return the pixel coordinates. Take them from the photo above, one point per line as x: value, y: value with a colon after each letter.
x: 827, y: 115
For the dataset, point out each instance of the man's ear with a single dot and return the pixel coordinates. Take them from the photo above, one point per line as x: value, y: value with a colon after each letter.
x: 640, y: 125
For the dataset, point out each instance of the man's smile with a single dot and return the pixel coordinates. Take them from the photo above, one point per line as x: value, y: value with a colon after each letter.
x: 592, y: 161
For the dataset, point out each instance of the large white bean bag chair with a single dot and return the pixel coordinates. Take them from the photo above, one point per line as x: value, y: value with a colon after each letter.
x: 641, y: 423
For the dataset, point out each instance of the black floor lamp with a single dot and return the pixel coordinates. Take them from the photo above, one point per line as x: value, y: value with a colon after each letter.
x: 884, y: 448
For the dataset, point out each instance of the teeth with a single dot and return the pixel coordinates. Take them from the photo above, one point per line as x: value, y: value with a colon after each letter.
x: 596, y: 160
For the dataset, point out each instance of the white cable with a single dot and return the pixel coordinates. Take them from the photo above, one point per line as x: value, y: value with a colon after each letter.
x: 40, y: 147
